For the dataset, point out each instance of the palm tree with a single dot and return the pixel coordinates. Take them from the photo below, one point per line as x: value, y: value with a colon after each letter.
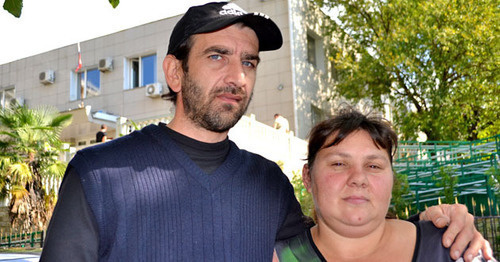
x: 29, y: 150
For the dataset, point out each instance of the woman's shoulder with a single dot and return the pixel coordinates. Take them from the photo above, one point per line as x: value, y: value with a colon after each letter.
x: 430, y: 247
x: 298, y: 248
x: 401, y: 226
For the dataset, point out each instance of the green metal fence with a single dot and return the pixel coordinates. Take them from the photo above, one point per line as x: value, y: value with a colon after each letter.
x: 27, y: 239
x: 470, y: 163
x: 490, y: 228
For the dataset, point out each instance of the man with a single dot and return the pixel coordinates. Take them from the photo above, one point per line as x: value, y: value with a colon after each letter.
x: 183, y: 191
x: 101, y: 136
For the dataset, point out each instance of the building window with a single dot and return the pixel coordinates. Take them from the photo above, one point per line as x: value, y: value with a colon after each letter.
x: 335, y: 75
x: 141, y: 71
x: 317, y: 115
x: 7, y: 97
x: 87, y: 84
x: 315, y: 51
x: 311, y: 50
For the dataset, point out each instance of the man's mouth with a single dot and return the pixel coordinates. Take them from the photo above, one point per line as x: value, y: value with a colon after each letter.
x: 228, y: 97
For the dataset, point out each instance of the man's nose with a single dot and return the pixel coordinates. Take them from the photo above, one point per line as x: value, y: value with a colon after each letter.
x: 235, y: 74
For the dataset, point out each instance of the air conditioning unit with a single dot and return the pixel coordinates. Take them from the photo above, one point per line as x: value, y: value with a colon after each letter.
x: 154, y: 90
x: 106, y: 64
x: 47, y: 77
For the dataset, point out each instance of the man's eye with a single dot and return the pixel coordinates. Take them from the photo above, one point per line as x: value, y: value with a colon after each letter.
x: 215, y: 57
x: 248, y: 64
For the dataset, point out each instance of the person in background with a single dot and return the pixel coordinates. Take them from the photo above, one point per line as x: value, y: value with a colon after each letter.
x: 349, y: 174
x: 101, y: 136
x: 281, y: 123
x: 183, y: 191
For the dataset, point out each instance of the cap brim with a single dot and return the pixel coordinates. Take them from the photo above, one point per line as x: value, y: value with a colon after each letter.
x: 267, y: 31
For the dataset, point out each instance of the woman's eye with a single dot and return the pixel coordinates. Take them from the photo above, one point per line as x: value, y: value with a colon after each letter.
x: 376, y: 166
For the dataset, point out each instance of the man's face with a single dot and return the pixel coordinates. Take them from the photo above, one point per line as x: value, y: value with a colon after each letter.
x: 222, y: 70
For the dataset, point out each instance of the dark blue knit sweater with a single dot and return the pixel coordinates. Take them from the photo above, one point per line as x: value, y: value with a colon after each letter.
x: 152, y: 203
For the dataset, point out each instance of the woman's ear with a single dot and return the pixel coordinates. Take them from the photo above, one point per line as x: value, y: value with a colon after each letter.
x: 172, y: 68
x: 306, y: 177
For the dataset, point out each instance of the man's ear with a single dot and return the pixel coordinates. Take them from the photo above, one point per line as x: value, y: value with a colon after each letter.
x: 172, y: 68
x: 306, y: 178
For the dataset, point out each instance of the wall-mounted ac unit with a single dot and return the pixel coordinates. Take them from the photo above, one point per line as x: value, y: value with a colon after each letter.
x: 106, y: 64
x: 47, y: 77
x: 154, y: 90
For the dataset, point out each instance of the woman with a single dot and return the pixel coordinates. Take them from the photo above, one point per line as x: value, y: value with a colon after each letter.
x: 349, y: 173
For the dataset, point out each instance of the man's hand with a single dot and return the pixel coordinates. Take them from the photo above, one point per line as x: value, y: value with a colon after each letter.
x: 461, y: 231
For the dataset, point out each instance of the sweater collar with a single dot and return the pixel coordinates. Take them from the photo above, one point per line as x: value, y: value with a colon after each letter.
x: 228, y: 168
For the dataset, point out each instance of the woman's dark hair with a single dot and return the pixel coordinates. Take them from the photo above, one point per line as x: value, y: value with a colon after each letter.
x: 182, y: 54
x: 343, y: 124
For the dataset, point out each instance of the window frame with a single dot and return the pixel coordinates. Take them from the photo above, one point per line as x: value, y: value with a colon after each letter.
x: 311, y: 50
x: 75, y: 93
x: 134, y: 71
x: 315, y: 43
x: 317, y: 114
x: 3, y: 90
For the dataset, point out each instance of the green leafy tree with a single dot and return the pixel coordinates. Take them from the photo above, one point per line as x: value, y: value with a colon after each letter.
x: 437, y: 62
x: 399, y: 204
x: 448, y: 182
x: 305, y: 199
x: 16, y: 6
x: 29, y: 151
x: 493, y: 175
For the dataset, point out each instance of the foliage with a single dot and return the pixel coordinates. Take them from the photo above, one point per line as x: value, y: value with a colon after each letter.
x: 448, y: 181
x: 114, y: 3
x: 305, y: 198
x: 493, y: 175
x: 15, y: 6
x: 400, y: 188
x: 29, y: 150
x: 436, y: 62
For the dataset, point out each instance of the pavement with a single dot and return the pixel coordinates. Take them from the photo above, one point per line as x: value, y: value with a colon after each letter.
x: 13, y: 257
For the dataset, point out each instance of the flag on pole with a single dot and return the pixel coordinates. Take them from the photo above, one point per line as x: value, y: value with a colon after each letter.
x: 79, y: 59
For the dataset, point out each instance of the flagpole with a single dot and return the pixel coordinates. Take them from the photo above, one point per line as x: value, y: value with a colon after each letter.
x: 79, y: 58
x: 78, y: 67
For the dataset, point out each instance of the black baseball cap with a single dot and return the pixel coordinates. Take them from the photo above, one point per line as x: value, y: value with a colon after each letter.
x: 217, y: 15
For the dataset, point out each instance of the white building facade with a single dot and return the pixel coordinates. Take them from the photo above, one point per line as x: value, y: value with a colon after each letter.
x: 121, y: 77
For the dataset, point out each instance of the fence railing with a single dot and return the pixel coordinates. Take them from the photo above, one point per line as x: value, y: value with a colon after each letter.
x: 489, y: 226
x: 471, y: 164
x: 21, y: 239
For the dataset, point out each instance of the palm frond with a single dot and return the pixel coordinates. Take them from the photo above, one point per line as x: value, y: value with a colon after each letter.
x: 20, y: 173
x: 61, y: 121
x: 55, y: 169
x: 18, y: 191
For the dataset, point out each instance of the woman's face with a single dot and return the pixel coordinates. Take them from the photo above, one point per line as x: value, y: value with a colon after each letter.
x: 351, y: 184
